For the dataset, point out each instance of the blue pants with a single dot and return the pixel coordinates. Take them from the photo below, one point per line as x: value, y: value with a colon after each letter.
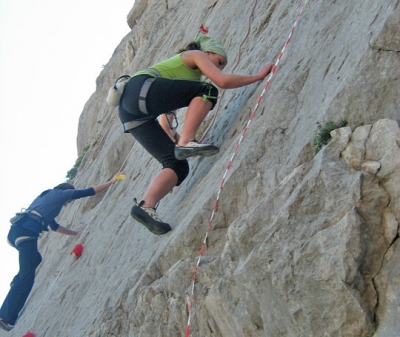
x: 21, y: 285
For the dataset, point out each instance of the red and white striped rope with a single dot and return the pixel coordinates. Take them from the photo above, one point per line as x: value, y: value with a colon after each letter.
x: 191, y: 300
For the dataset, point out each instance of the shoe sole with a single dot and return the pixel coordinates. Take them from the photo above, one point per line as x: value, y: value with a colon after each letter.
x: 157, y: 228
x: 5, y: 327
x: 205, y: 151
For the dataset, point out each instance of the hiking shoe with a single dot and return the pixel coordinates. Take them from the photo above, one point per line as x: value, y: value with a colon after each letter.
x: 148, y: 217
x: 194, y: 148
x: 5, y: 326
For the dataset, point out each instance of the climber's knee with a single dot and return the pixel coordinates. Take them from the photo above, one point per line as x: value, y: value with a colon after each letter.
x: 180, y: 167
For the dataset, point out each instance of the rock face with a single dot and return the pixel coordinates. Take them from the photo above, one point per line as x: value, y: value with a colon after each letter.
x: 300, y: 244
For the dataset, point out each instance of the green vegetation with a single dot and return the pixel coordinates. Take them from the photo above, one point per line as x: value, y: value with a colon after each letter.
x: 323, y: 136
x: 74, y: 170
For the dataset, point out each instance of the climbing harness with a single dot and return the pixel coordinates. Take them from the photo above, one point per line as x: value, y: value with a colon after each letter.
x: 142, y: 101
x: 191, y: 299
x: 30, y: 214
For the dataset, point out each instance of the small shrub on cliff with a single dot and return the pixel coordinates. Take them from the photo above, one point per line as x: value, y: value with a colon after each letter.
x: 323, y: 136
x: 74, y: 170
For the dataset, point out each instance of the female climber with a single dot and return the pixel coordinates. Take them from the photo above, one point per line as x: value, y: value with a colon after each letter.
x: 23, y: 235
x: 163, y: 88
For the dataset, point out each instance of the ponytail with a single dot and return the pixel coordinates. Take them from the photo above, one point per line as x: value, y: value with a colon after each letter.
x: 190, y: 46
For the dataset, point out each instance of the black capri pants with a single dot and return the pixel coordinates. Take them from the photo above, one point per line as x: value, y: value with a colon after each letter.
x: 164, y: 95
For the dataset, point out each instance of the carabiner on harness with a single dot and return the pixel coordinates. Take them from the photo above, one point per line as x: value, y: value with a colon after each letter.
x: 171, y: 126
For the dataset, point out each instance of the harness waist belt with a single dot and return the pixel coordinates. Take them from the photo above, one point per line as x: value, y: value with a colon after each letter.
x: 32, y: 211
x: 143, y: 93
x: 142, y: 100
x: 31, y: 214
x: 36, y: 213
x: 142, y: 105
x: 133, y: 124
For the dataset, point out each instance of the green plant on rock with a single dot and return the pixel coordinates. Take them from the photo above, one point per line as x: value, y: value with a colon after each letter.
x: 71, y: 174
x: 323, y: 135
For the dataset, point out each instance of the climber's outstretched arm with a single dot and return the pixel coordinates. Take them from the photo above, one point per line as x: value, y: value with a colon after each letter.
x: 66, y: 231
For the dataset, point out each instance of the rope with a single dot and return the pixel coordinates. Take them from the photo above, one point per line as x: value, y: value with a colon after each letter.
x: 191, y: 300
x: 232, y: 71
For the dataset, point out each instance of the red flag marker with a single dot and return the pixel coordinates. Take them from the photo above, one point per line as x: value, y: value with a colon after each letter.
x: 205, y: 31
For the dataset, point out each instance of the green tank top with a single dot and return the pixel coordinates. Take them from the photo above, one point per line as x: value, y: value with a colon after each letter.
x: 174, y: 67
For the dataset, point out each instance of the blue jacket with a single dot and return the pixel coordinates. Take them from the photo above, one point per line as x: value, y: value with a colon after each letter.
x: 49, y: 205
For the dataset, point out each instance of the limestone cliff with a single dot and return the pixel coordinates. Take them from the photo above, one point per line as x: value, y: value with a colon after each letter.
x: 300, y: 244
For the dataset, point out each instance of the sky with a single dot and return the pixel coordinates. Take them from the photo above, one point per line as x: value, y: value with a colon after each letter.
x: 51, y: 53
